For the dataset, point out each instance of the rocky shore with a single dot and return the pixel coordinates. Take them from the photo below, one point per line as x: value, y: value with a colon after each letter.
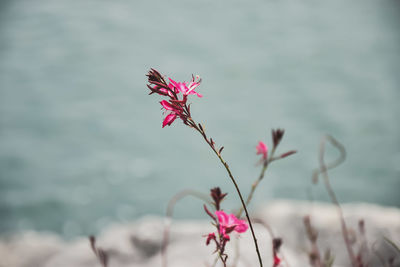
x: 139, y: 243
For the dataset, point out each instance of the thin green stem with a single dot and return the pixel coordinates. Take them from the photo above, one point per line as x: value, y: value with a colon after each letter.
x: 256, y: 182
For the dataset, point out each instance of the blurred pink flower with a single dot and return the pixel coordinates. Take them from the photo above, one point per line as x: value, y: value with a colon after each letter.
x: 211, y: 236
x: 229, y: 223
x: 277, y: 261
x: 262, y: 149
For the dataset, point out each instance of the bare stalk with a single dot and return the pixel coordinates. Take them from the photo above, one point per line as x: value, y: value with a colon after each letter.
x: 394, y: 245
x: 255, y: 184
x: 312, y: 234
x: 363, y: 251
x: 276, y: 137
x: 101, y: 254
x: 170, y: 210
x: 323, y: 169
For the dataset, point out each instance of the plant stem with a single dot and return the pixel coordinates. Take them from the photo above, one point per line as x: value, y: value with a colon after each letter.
x: 170, y: 210
x: 255, y: 184
x: 396, y: 247
x: 332, y: 195
x: 211, y: 144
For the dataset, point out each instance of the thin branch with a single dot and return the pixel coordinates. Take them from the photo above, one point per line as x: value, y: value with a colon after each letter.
x: 170, y: 210
x: 211, y: 143
x: 394, y: 245
x: 253, y: 188
x: 312, y: 234
x: 101, y: 255
x: 323, y: 169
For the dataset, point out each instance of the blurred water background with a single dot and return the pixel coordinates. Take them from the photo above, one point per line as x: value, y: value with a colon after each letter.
x: 81, y: 144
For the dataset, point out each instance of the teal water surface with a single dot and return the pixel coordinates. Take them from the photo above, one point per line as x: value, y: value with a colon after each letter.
x: 81, y: 144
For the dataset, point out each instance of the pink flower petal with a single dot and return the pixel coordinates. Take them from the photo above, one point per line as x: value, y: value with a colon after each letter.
x: 229, y: 223
x: 222, y: 217
x: 262, y: 149
x: 169, y: 119
x: 277, y: 261
x: 166, y: 105
x: 173, y: 82
x: 191, y: 86
x: 184, y: 88
x: 211, y: 236
x: 241, y: 226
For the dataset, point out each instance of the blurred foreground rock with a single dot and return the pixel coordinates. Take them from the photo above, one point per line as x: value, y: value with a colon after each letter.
x: 139, y: 243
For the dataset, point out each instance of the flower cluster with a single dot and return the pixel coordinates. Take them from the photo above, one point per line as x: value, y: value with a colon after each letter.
x: 229, y: 223
x: 177, y: 94
x: 225, y: 224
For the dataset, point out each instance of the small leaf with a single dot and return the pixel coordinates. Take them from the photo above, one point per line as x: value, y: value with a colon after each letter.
x: 291, y: 152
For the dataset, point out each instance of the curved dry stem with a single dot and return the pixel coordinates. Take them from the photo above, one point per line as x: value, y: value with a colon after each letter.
x: 100, y: 253
x: 378, y: 255
x: 394, y: 245
x: 170, y: 210
x: 323, y: 169
x: 271, y: 234
x: 336, y: 162
x: 215, y: 261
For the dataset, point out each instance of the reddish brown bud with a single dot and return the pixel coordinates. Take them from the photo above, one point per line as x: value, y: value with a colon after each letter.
x: 277, y: 136
x: 212, y: 142
x: 92, y: 240
x: 361, y: 226
x: 284, y: 155
x: 311, y: 232
x: 276, y: 244
x: 217, y: 196
x: 103, y: 257
x: 211, y: 236
x: 154, y: 76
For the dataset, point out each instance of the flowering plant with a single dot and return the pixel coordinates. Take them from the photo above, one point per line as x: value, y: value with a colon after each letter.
x: 175, y: 106
x: 228, y: 225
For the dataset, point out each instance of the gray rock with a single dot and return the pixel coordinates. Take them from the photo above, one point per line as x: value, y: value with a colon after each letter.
x: 139, y: 243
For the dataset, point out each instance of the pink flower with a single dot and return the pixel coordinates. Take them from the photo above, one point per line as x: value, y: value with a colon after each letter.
x: 262, y: 149
x: 185, y: 88
x: 211, y: 236
x: 277, y: 261
x: 193, y: 84
x: 229, y: 223
x: 175, y: 106
x: 169, y: 119
x: 173, y: 112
